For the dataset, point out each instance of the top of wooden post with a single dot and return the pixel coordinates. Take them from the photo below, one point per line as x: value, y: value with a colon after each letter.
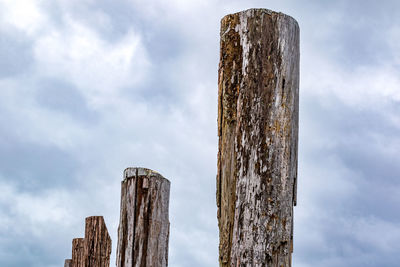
x: 257, y: 11
x: 143, y: 231
x: 139, y: 171
x: 258, y: 99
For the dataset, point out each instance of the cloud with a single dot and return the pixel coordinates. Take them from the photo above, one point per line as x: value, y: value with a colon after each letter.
x: 98, y: 68
x: 89, y: 88
x: 25, y: 15
x: 38, y: 222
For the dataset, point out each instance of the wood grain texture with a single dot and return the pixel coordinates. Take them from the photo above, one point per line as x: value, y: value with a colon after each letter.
x: 94, y: 250
x: 78, y: 252
x: 143, y: 231
x: 97, y: 243
x: 258, y: 135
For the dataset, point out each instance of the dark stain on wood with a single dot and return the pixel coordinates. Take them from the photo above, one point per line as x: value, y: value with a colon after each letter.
x: 143, y: 233
x: 257, y: 130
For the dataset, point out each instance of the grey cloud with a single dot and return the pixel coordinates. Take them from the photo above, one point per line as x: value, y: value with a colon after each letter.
x: 60, y: 96
x: 34, y: 167
x: 346, y: 179
x: 15, y: 53
x: 350, y: 33
x: 21, y: 247
x: 372, y: 174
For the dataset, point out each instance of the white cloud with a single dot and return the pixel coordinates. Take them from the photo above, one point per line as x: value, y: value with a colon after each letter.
x: 31, y: 122
x: 179, y: 138
x: 171, y: 9
x: 362, y: 87
x: 37, y: 211
x: 25, y: 15
x: 97, y: 67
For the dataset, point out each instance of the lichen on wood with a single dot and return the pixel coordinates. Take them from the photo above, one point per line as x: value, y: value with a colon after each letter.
x: 258, y: 85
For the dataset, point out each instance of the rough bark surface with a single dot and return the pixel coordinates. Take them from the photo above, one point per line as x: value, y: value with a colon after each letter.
x: 68, y: 263
x: 78, y: 252
x: 258, y: 132
x: 143, y: 230
x: 97, y: 243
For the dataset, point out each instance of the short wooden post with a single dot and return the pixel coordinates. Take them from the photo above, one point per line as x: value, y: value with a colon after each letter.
x: 258, y: 132
x: 78, y: 252
x: 143, y: 230
x: 97, y: 243
x: 94, y: 250
x: 68, y: 263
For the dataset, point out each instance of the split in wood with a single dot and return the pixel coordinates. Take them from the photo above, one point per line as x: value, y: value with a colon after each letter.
x: 94, y: 250
x: 143, y: 231
x: 258, y: 96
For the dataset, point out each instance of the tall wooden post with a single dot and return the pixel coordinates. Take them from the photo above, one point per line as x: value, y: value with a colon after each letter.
x: 258, y: 132
x: 143, y: 230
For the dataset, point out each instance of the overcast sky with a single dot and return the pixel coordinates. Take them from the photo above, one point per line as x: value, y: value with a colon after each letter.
x: 88, y: 88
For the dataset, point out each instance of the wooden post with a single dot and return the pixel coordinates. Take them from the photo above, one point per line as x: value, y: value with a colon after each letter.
x: 78, y: 252
x: 68, y: 263
x: 97, y: 243
x: 143, y: 230
x: 94, y: 250
x: 258, y: 131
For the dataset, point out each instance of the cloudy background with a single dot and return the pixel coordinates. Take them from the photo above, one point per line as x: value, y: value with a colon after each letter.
x: 88, y: 88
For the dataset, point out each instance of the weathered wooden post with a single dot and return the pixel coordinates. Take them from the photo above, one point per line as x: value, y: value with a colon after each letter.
x: 143, y: 230
x: 68, y: 263
x: 94, y: 250
x: 258, y: 132
x: 78, y: 252
x: 97, y: 243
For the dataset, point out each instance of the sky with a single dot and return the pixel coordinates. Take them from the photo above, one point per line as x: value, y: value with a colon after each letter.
x: 88, y: 88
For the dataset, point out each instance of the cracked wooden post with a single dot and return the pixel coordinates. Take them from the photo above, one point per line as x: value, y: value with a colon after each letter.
x: 143, y: 230
x: 94, y: 250
x: 97, y: 242
x: 78, y: 252
x: 258, y: 131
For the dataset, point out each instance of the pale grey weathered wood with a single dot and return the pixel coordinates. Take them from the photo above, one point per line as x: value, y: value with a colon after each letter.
x: 258, y: 135
x: 143, y: 230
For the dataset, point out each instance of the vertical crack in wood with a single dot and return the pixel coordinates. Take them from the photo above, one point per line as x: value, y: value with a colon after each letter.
x: 97, y: 242
x: 78, y: 252
x: 148, y: 225
x: 257, y: 132
x: 94, y: 250
x: 135, y: 218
